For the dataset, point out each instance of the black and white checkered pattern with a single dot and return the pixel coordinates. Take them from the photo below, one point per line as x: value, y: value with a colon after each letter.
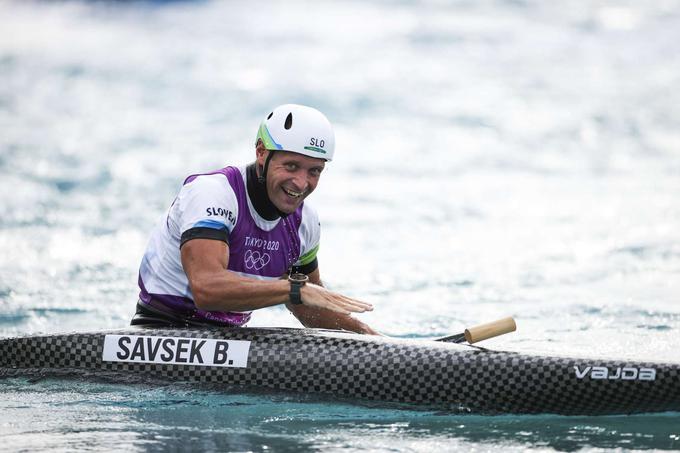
x: 425, y: 373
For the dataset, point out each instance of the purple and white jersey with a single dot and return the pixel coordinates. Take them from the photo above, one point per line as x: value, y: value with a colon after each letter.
x: 258, y: 248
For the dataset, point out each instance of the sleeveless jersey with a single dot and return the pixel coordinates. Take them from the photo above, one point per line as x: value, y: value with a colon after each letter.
x: 218, y: 203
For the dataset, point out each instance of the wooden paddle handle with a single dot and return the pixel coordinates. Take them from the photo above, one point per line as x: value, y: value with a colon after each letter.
x: 490, y: 330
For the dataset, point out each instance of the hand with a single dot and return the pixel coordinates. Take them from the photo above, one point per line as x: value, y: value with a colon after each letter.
x: 318, y: 296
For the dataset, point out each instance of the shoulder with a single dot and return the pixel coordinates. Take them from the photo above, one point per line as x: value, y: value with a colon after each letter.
x: 309, y: 219
x: 207, y: 197
x: 309, y: 214
x: 221, y: 185
x: 208, y: 182
x: 310, y: 235
x: 310, y: 226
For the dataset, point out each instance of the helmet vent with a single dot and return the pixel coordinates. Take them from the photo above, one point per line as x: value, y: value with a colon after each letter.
x: 270, y: 115
x: 289, y: 121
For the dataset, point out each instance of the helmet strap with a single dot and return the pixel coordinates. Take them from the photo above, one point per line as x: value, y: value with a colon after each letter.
x: 257, y: 192
x: 262, y: 178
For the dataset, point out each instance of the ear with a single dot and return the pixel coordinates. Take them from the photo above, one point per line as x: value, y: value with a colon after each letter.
x: 260, y: 153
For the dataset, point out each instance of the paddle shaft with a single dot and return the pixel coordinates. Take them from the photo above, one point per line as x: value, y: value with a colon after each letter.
x: 483, y: 331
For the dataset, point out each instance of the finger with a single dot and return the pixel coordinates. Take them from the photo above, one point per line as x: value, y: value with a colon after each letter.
x: 336, y: 308
x: 355, y: 308
x: 340, y: 303
x: 341, y: 306
x: 365, y: 306
x: 349, y: 303
x: 329, y: 304
x: 358, y: 304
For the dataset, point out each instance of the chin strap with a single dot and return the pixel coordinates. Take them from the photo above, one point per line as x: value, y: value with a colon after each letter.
x: 262, y: 178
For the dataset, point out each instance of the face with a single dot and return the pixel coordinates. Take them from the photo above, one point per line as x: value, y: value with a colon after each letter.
x: 291, y: 177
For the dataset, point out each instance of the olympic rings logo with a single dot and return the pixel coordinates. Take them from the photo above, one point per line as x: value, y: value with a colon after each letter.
x: 256, y: 260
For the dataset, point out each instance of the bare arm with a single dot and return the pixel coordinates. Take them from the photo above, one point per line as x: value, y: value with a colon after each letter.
x: 216, y: 288
x: 323, y: 318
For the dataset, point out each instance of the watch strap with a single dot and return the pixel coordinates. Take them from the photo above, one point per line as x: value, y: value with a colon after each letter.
x: 295, y: 296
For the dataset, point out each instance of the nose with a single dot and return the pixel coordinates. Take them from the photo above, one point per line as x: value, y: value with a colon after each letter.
x: 300, y: 180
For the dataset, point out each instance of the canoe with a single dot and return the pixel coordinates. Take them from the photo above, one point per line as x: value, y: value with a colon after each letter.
x: 420, y: 373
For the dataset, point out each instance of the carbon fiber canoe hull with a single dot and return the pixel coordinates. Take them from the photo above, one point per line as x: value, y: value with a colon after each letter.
x: 416, y: 372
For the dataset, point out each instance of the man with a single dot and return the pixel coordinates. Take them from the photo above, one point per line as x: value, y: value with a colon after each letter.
x: 240, y: 239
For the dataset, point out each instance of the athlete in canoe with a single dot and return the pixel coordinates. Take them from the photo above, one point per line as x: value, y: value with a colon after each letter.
x: 242, y: 238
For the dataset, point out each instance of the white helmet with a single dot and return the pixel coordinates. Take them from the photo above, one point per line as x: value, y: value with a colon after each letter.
x: 300, y: 129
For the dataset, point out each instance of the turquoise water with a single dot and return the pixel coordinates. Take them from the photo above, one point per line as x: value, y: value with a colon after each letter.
x: 114, y: 416
x: 494, y: 158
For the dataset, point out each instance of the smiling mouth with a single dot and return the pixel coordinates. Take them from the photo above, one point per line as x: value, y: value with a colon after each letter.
x: 292, y: 193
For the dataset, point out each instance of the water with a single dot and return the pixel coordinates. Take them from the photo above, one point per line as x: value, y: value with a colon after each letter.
x: 493, y: 158
x: 155, y: 419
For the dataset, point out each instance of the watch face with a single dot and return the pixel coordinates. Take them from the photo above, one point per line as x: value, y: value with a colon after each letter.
x: 298, y: 277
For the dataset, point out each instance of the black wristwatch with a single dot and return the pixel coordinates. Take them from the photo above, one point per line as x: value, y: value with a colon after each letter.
x: 297, y: 281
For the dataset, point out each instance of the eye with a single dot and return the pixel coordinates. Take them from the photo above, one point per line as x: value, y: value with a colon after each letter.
x: 315, y: 172
x: 290, y: 166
